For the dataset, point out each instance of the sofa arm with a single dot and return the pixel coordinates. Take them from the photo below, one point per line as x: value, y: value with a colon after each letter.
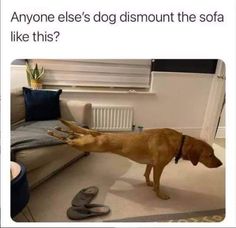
x: 75, y: 110
x: 17, y: 106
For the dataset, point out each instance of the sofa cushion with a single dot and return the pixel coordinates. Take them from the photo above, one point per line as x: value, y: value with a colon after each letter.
x: 34, y: 158
x: 42, y: 163
x: 41, y: 104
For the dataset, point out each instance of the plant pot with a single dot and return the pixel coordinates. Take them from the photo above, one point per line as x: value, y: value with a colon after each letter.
x: 36, y: 84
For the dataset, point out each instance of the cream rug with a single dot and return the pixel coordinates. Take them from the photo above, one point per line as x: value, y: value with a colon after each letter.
x: 197, y: 216
x: 122, y: 187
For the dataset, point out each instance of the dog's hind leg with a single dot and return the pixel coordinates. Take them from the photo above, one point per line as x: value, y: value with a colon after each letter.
x: 61, y: 138
x: 64, y: 130
x: 147, y: 174
x: 78, y: 129
x: 71, y: 134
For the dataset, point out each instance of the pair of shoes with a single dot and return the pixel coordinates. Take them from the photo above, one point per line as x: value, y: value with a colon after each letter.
x: 87, y: 210
x: 84, y: 196
x: 81, y: 207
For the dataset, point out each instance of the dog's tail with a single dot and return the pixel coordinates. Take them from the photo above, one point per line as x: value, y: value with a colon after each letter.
x: 78, y: 129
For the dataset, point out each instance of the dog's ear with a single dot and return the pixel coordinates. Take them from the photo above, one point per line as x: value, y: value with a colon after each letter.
x: 194, y: 155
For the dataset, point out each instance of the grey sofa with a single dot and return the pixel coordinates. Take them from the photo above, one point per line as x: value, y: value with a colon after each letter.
x: 43, y: 162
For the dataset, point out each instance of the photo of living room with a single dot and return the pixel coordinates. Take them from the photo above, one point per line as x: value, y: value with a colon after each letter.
x: 118, y: 140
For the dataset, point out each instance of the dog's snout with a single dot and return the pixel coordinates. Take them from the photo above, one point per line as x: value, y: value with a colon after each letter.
x: 219, y: 163
x: 213, y: 162
x: 216, y: 163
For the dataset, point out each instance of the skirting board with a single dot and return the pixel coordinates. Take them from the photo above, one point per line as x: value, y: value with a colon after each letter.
x: 220, y: 132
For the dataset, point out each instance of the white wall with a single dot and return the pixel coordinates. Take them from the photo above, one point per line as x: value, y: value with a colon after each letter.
x: 221, y: 128
x: 18, y: 76
x: 178, y: 100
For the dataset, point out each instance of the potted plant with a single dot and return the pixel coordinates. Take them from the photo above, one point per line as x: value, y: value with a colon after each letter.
x: 34, y: 76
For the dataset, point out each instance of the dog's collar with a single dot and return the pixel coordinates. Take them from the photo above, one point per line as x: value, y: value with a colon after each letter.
x: 179, y: 153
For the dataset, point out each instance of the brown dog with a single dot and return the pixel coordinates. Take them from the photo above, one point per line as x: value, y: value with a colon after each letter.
x: 155, y: 147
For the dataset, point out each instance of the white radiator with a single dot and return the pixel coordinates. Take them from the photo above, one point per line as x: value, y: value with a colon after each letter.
x: 112, y: 118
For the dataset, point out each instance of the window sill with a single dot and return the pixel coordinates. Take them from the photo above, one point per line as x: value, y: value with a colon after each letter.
x: 108, y: 92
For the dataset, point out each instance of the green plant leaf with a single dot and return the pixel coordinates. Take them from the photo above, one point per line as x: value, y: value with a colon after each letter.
x: 41, y: 75
x: 29, y: 77
x: 34, y: 73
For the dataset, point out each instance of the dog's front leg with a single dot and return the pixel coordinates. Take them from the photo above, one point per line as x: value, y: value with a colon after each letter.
x: 147, y: 174
x: 158, y: 169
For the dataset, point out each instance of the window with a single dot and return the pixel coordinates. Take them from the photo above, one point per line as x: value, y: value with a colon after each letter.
x: 207, y: 66
x: 123, y: 73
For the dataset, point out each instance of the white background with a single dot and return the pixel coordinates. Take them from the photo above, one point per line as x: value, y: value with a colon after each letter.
x: 128, y: 40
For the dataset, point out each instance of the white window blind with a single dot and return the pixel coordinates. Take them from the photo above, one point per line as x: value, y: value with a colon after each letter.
x: 97, y: 73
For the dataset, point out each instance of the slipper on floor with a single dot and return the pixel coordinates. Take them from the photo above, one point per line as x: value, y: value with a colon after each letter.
x: 84, y: 196
x: 87, y: 211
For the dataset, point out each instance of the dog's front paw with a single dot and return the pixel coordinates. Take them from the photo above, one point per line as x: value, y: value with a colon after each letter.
x: 162, y: 195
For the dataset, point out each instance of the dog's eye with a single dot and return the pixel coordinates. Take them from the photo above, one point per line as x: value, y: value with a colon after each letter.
x: 210, y: 155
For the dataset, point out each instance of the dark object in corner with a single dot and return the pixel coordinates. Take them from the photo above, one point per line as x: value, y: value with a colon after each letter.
x: 19, y: 192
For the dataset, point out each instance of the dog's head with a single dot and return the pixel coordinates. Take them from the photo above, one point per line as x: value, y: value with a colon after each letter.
x: 199, y: 151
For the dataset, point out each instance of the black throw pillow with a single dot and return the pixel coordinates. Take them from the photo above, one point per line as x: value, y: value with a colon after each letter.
x: 41, y: 104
